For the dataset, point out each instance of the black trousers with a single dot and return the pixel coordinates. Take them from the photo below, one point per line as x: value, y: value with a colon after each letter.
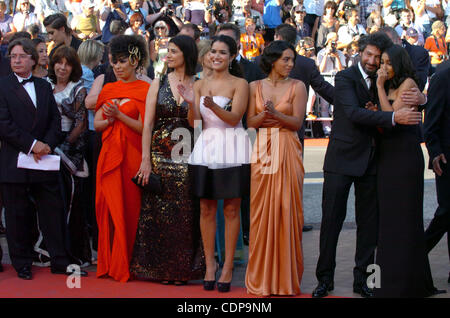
x: 441, y: 221
x: 336, y: 188
x: 19, y: 211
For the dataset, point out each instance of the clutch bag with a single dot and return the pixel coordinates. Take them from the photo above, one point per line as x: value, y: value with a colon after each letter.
x: 153, y: 185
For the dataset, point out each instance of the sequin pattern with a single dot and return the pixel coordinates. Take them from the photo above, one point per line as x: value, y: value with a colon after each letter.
x: 168, y: 241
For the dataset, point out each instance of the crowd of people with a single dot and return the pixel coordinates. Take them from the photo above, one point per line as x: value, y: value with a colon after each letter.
x: 137, y: 99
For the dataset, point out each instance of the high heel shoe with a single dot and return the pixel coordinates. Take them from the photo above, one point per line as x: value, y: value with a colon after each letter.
x: 223, y: 287
x: 209, y: 284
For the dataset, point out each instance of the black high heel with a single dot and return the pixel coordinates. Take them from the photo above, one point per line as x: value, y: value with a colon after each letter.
x: 209, y: 284
x: 225, y: 287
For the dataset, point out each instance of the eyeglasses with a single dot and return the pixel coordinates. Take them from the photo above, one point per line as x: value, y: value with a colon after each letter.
x: 19, y: 56
x: 160, y: 28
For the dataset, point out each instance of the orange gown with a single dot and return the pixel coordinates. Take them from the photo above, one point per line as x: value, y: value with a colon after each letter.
x: 275, y: 261
x: 118, y: 199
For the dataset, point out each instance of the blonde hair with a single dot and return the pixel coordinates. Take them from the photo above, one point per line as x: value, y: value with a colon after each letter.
x: 90, y: 51
x: 204, y: 46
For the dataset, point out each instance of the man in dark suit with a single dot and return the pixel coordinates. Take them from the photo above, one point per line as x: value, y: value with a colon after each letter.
x: 350, y: 159
x: 30, y: 123
x: 437, y: 138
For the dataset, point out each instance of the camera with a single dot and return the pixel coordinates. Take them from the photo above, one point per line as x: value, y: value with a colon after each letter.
x: 302, y: 43
x: 333, y: 47
x: 169, y: 13
x: 404, y: 27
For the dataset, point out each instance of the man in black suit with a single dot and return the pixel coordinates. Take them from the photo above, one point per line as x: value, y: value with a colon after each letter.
x: 350, y: 159
x: 437, y: 138
x: 30, y: 123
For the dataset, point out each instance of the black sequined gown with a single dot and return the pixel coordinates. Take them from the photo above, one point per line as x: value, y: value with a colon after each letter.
x: 168, y: 240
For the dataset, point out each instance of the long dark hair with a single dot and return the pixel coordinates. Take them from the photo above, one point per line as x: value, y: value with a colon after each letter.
x: 190, y: 53
x: 402, y: 65
x: 235, y: 68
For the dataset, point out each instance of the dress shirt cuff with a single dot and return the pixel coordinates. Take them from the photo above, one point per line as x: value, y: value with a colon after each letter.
x: 34, y: 142
x: 426, y: 100
x: 393, y: 118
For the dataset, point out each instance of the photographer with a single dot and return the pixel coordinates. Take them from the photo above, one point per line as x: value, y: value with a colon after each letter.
x: 330, y: 61
x: 252, y: 43
x: 159, y: 48
x: 243, y: 10
x: 406, y: 23
x: 391, y: 9
x: 436, y: 45
x: 352, y: 31
x: 305, y: 47
x: 427, y: 11
x: 114, y: 10
x: 24, y: 18
x: 158, y: 10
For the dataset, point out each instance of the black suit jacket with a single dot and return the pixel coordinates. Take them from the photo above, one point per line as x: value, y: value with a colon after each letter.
x: 437, y: 116
x: 421, y: 61
x: 21, y: 123
x: 251, y: 71
x: 354, y: 130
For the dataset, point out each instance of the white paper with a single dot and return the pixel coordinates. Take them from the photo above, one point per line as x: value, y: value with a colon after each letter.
x: 47, y: 162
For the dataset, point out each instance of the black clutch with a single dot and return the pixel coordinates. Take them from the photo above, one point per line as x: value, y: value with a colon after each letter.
x: 153, y: 185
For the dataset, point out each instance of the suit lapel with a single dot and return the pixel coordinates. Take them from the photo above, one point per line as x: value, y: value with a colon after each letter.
x: 22, y: 95
x: 40, y: 101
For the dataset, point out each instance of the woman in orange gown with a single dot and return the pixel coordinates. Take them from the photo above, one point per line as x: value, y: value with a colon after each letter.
x: 277, y: 103
x: 119, y: 116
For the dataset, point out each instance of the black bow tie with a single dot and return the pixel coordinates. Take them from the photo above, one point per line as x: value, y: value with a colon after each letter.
x: 28, y: 80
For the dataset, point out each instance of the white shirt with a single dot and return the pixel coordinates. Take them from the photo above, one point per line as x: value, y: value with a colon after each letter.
x: 314, y: 7
x: 31, y: 90
x: 426, y: 16
x: 369, y: 83
x: 347, y: 32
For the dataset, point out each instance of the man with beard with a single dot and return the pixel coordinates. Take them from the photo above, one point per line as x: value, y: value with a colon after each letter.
x: 350, y: 159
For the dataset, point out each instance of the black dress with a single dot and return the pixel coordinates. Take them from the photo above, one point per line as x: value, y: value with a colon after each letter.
x: 168, y: 241
x: 401, y: 255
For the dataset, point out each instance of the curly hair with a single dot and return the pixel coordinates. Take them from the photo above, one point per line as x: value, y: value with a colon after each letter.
x: 132, y: 46
x: 272, y: 53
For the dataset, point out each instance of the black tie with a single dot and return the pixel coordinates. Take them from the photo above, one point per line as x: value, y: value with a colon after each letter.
x: 28, y: 80
x: 373, y: 87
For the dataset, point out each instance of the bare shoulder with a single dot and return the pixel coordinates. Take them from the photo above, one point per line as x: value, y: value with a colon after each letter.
x: 407, y: 84
x: 239, y: 82
x: 299, y: 85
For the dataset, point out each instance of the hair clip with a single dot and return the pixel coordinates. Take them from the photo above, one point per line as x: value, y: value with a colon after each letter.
x: 135, y: 55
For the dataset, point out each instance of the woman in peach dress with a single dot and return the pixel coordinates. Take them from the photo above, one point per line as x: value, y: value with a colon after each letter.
x: 276, y: 108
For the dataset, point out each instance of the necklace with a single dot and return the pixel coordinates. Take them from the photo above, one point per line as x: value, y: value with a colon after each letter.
x: 277, y: 80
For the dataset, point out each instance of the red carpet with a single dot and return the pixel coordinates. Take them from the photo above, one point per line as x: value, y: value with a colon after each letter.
x: 47, y: 285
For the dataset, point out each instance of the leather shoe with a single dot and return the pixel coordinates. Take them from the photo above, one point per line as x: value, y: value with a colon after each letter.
x: 322, y: 289
x: 307, y: 228
x: 67, y: 272
x: 364, y: 291
x: 25, y: 273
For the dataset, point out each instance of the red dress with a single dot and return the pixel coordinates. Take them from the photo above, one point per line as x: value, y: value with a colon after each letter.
x: 118, y: 199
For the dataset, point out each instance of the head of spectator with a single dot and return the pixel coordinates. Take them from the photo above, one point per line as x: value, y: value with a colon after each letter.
x: 41, y: 67
x: 246, y: 5
x: 250, y: 26
x: 405, y: 18
x: 287, y: 6
x: 377, y: 19
x: 161, y: 29
x: 204, y: 47
x: 34, y: 30
x: 231, y: 30
x: 299, y: 13
x: 64, y: 66
x: 228, y: 44
x: 305, y: 47
x: 412, y: 36
x: 374, y: 28
x: 398, y: 66
x: 438, y: 29
x: 118, y: 27
x: 286, y: 32
x: 128, y: 54
x: 90, y: 53
x: 330, y: 9
x: 2, y: 9
x: 278, y: 59
x: 23, y: 56
x: 221, y: 14
x: 24, y: 6
x: 135, y: 5
x: 20, y: 35
x: 290, y: 21
x: 370, y: 49
x: 182, y: 53
x: 353, y: 17
x: 136, y: 21
x: 88, y: 7
x: 191, y: 30
x: 57, y: 29
x: 331, y: 43
x: 392, y: 34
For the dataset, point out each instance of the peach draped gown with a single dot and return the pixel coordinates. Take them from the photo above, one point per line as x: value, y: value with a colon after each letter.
x: 275, y: 264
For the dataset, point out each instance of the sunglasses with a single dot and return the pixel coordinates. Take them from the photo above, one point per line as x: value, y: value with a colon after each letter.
x: 160, y: 28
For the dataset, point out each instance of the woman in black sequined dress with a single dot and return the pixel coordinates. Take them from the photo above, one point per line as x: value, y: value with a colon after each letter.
x: 168, y: 244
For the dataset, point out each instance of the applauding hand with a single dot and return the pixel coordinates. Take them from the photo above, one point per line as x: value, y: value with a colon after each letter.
x: 208, y: 101
x: 187, y: 93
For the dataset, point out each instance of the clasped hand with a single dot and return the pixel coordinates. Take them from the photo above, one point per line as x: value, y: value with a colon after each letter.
x: 144, y: 172
x: 111, y: 111
x: 39, y: 150
x: 208, y: 101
